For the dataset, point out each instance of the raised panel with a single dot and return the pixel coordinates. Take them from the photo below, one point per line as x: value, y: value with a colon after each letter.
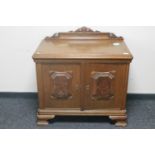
x: 101, y: 85
x: 62, y: 82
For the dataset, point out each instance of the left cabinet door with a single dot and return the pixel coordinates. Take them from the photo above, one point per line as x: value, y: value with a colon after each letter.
x: 61, y: 85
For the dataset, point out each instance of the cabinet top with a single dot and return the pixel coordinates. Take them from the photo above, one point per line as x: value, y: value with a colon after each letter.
x: 83, y: 43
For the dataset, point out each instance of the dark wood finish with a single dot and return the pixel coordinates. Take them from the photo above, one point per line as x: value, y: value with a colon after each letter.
x: 82, y: 72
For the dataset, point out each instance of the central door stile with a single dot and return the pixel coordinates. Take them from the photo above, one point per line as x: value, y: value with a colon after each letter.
x: 82, y: 83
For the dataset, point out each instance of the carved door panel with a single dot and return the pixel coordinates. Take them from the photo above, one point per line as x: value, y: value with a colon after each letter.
x: 100, y: 86
x: 62, y: 86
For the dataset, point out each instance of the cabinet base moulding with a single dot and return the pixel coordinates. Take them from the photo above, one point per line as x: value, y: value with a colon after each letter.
x: 118, y: 116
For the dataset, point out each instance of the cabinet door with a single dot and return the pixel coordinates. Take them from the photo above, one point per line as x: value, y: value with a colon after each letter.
x: 104, y: 86
x: 61, y: 85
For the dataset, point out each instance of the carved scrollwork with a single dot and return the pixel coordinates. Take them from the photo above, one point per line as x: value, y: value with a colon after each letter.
x: 102, y: 85
x: 61, y: 85
x: 84, y: 29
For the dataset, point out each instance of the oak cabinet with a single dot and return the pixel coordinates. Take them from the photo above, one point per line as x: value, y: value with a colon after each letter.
x: 82, y: 72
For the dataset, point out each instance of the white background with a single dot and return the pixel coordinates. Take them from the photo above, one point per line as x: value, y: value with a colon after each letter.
x: 17, y: 44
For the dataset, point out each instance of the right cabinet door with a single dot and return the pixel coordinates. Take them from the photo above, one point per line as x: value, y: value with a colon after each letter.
x: 105, y: 86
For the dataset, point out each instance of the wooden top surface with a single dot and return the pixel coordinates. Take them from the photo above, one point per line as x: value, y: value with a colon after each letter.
x: 83, y: 45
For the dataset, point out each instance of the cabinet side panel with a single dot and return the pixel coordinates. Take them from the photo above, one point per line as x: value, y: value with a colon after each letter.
x: 121, y: 86
x: 40, y: 85
x: 125, y: 74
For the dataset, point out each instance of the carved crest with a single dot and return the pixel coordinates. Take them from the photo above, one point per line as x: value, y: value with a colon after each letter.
x: 83, y: 29
x: 84, y: 32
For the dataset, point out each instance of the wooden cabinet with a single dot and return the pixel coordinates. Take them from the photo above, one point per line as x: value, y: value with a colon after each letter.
x: 82, y: 72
